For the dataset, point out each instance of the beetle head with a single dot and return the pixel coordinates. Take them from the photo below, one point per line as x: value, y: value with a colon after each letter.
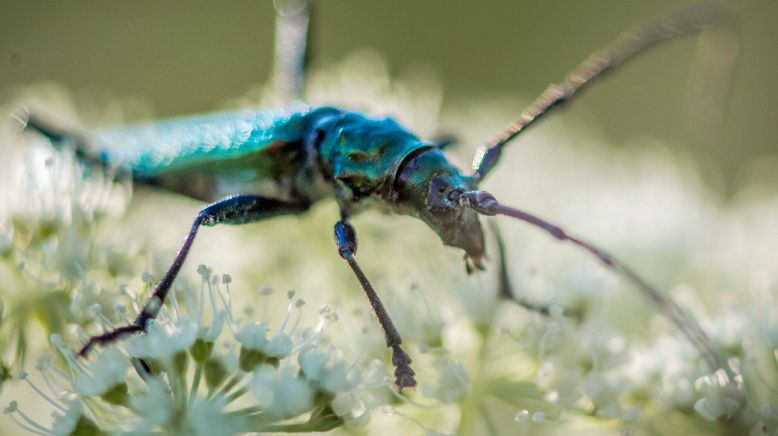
x: 426, y: 186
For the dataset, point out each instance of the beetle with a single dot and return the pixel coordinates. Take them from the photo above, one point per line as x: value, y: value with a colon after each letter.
x: 252, y: 165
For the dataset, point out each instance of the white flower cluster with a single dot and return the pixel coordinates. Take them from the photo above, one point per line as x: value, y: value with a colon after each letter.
x: 53, y: 264
x: 190, y: 375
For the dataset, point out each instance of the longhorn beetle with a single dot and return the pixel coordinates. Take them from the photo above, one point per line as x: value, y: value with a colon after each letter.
x: 304, y: 155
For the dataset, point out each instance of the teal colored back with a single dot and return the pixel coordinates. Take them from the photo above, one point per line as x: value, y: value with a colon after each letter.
x: 155, y: 148
x: 263, y: 152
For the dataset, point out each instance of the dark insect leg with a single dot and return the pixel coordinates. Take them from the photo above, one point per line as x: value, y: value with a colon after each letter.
x: 239, y: 209
x: 58, y: 136
x: 505, y: 289
x: 688, y: 20
x: 484, y: 203
x: 346, y: 239
x: 291, y: 49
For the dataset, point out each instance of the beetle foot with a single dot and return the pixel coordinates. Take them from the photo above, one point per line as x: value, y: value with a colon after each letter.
x: 403, y: 372
x: 108, y: 337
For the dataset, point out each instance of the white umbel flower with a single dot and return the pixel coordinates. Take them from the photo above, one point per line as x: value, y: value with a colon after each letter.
x: 327, y: 371
x: 280, y: 393
x: 181, y: 383
x: 154, y: 404
x: 106, y: 371
x: 452, y: 383
x: 163, y: 339
x: 722, y: 397
x: 254, y: 337
x: 65, y: 422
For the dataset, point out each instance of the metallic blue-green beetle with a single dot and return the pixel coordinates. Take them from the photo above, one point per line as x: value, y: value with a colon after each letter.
x: 253, y: 165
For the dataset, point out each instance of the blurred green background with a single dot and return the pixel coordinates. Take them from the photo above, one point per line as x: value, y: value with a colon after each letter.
x: 188, y: 57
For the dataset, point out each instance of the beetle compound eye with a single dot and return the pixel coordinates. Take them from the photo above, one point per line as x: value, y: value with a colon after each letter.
x: 437, y: 190
x: 455, y: 195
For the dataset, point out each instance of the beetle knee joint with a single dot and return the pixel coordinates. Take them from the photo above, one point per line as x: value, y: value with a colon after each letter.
x: 346, y: 238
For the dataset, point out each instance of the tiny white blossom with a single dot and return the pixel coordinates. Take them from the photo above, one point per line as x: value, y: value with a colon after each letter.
x: 163, y: 339
x: 351, y: 409
x: 521, y: 415
x: 107, y: 370
x: 280, y: 393
x: 452, y: 383
x: 208, y: 418
x: 721, y: 396
x: 254, y: 337
x: 213, y: 330
x: 154, y: 404
x: 327, y: 371
x: 65, y: 423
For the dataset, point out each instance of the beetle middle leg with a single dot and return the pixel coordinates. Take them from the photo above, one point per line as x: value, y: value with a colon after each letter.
x: 346, y: 238
x: 505, y: 288
x: 239, y: 209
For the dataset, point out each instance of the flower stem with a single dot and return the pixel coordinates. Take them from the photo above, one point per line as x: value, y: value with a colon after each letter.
x: 195, y: 383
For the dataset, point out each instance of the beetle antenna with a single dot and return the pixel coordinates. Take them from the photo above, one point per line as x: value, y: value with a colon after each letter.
x: 694, y: 18
x: 485, y: 204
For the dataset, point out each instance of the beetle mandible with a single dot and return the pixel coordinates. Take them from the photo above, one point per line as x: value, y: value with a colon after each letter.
x: 306, y: 154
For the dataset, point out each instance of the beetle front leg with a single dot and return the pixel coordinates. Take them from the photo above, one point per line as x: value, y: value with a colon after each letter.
x: 239, y: 209
x: 346, y: 238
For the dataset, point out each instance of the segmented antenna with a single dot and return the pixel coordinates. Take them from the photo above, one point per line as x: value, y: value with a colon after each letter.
x: 692, y: 19
x: 485, y: 204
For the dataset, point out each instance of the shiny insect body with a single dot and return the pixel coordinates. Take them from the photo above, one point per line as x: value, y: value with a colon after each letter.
x: 253, y: 165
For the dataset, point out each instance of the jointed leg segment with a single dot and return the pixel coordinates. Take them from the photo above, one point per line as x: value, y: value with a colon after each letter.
x: 239, y: 209
x: 505, y: 289
x: 346, y: 239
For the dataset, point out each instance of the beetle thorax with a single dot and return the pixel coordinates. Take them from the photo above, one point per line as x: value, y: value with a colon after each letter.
x: 361, y: 156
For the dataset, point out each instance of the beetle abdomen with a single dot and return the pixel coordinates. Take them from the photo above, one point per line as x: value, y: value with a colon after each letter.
x: 149, y: 150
